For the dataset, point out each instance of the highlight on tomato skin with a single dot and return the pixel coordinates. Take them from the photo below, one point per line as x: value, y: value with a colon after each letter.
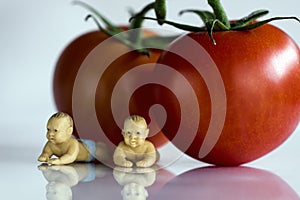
x: 260, y: 70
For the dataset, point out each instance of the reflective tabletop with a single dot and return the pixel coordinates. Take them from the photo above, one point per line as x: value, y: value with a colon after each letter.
x: 22, y: 177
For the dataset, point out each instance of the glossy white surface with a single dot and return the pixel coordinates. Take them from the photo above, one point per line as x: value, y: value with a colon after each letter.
x: 33, y: 34
x: 274, y: 176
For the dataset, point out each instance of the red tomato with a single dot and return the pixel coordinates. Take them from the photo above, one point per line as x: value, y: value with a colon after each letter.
x: 246, y: 93
x: 98, y: 103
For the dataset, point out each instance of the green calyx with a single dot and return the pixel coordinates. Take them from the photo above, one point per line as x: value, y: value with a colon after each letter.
x: 218, y: 21
x: 212, y: 23
x: 134, y: 39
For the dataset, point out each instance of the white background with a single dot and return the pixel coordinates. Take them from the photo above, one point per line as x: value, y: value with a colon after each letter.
x: 32, y: 35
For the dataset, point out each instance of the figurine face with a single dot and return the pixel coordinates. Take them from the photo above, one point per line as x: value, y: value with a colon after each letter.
x: 58, y: 130
x: 134, y: 134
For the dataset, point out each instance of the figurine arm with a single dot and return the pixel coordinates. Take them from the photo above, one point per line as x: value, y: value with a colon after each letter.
x: 68, y: 157
x: 46, y: 153
x: 150, y: 157
x: 119, y: 157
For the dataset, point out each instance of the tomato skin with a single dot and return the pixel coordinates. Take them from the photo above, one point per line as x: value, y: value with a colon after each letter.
x: 68, y: 65
x: 260, y: 70
x: 67, y: 69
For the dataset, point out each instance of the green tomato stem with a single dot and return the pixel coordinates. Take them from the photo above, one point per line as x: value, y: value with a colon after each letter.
x: 219, y: 12
x: 159, y: 7
x: 137, y: 22
x: 160, y: 10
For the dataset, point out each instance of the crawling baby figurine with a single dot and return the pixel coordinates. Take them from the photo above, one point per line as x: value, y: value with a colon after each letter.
x: 135, y: 149
x: 60, y: 143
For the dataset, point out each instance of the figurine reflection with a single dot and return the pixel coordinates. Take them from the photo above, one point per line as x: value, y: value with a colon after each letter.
x: 62, y: 178
x: 67, y: 149
x: 135, y: 149
x: 134, y: 182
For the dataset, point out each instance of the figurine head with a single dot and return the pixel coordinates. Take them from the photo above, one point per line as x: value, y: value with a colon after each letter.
x: 59, y: 128
x: 135, y: 131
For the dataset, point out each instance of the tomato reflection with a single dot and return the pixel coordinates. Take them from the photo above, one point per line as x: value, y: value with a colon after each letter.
x: 227, y: 183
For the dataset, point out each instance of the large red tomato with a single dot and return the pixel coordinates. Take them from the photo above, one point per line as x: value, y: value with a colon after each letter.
x: 241, y: 96
x: 96, y: 97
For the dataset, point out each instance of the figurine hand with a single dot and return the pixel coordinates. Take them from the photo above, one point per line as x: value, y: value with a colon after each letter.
x: 43, y: 158
x: 54, y: 161
x: 126, y: 164
x: 142, y: 163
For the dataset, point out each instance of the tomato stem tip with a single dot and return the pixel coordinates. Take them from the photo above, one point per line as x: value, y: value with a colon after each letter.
x: 219, y: 12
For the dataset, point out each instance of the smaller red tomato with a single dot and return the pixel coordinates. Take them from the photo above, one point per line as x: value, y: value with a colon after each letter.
x: 68, y: 84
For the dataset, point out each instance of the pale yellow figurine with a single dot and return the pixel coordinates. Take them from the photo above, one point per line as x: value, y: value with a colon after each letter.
x: 62, y: 145
x: 135, y: 149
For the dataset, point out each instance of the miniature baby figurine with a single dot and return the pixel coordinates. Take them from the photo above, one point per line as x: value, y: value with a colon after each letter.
x: 135, y: 149
x: 61, y: 144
